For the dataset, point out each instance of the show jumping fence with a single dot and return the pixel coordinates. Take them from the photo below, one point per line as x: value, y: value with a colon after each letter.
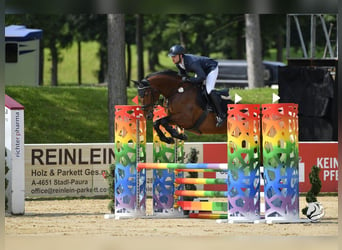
x: 164, y: 186
x: 269, y: 132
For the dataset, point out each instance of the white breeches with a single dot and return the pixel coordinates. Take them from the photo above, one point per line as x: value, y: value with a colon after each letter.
x: 211, y: 80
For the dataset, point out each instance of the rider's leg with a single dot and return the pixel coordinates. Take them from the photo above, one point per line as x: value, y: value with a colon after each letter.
x: 210, y: 84
x: 221, y: 116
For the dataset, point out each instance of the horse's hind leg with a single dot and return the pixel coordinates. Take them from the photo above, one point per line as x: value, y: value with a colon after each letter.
x: 161, y: 135
x: 173, y: 132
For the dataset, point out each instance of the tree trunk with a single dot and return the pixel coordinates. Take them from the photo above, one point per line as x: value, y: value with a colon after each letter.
x: 129, y: 64
x: 280, y: 46
x: 140, y: 47
x: 239, y: 42
x: 54, y: 64
x: 255, y: 67
x: 117, y: 91
x: 79, y: 65
x: 102, y: 73
x: 153, y: 59
x: 41, y: 63
x: 182, y: 39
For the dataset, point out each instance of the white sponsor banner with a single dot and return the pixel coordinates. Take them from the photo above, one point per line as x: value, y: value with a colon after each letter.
x: 14, y: 144
x: 75, y: 170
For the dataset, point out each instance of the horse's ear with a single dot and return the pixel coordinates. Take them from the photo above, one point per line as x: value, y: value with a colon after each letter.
x: 136, y: 82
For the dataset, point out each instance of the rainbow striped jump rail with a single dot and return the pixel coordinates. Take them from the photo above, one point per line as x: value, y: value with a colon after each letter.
x: 201, y: 193
x: 200, y: 181
x: 213, y: 166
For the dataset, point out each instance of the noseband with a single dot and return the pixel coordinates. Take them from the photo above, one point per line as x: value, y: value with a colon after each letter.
x: 142, y: 92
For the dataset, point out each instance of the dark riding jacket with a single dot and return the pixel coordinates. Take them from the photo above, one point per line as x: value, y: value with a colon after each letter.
x: 200, y: 65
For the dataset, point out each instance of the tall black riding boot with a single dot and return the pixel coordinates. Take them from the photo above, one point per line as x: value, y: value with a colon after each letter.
x: 221, y: 116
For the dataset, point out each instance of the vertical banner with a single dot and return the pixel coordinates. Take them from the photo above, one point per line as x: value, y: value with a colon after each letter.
x: 243, y: 133
x: 164, y: 186
x: 280, y: 160
x: 130, y: 148
x: 14, y: 144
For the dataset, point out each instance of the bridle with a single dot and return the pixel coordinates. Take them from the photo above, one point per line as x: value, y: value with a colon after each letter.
x: 144, y: 91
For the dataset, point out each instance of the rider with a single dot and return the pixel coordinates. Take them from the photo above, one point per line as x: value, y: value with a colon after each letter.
x: 205, y: 69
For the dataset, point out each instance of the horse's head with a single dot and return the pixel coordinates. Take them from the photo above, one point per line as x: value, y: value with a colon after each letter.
x: 148, y: 96
x: 155, y: 84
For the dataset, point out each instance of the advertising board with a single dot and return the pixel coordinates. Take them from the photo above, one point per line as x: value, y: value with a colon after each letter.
x: 322, y: 154
x: 75, y: 170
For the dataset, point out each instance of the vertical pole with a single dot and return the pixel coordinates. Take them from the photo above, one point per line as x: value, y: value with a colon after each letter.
x: 164, y: 186
x: 288, y: 36
x: 313, y: 37
x: 137, y: 200
x: 243, y: 133
x: 129, y: 148
x: 280, y: 159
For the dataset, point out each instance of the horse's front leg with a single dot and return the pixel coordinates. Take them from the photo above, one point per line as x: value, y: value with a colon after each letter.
x: 165, y: 122
x: 156, y: 126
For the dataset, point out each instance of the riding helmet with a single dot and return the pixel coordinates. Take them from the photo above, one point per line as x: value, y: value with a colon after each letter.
x: 176, y: 50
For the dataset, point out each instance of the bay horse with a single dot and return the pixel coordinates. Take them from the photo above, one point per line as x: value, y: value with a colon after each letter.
x: 187, y: 105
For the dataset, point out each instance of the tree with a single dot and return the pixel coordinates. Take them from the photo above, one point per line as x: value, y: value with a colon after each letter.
x: 117, y: 92
x: 255, y: 68
x: 205, y: 34
x: 56, y: 35
x: 85, y: 28
x: 273, y: 30
x: 154, y: 26
x: 140, y: 45
x: 130, y: 39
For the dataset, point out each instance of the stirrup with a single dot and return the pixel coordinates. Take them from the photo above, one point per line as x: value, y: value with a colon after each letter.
x: 220, y: 120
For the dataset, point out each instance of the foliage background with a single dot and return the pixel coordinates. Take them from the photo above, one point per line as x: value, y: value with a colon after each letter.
x: 71, y: 114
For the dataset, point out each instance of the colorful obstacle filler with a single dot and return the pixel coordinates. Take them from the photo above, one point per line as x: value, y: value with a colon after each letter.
x: 164, y: 187
x: 129, y: 148
x: 243, y: 135
x: 280, y: 160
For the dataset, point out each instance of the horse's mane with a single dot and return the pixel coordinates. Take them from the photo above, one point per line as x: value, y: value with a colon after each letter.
x: 168, y: 72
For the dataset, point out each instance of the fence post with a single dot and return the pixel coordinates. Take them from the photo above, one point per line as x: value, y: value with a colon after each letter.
x: 129, y: 148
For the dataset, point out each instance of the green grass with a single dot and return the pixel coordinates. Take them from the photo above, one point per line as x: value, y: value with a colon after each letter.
x: 80, y: 115
x: 254, y: 96
x: 63, y: 114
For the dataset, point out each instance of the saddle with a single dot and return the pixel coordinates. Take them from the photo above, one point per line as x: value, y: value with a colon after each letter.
x: 205, y: 102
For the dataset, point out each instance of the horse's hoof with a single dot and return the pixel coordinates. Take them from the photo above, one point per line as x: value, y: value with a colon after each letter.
x: 169, y: 140
x: 184, y: 137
